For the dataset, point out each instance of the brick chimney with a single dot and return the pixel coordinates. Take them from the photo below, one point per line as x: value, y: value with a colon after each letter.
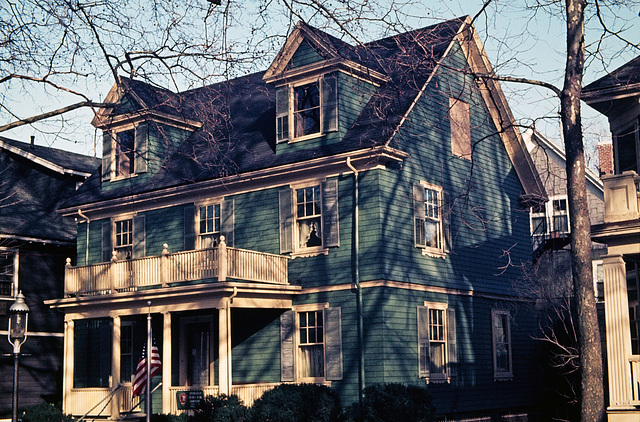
x: 605, y: 158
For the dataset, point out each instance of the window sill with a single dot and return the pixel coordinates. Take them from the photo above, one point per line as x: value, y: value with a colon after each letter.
x: 500, y: 378
x: 434, y: 253
x: 310, y: 252
x: 115, y: 179
x: 303, y: 138
x: 439, y: 380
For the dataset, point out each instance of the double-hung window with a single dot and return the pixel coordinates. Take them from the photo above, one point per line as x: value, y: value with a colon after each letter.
x: 124, y: 235
x: 431, y: 219
x: 311, y: 344
x: 501, y: 334
x: 307, y: 108
x: 309, y: 217
x: 550, y: 218
x: 437, y: 350
x: 127, y: 369
x: 209, y: 219
x: 8, y: 272
x: 124, y: 151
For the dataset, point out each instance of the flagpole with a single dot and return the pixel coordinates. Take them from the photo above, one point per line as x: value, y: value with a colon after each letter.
x: 149, y: 353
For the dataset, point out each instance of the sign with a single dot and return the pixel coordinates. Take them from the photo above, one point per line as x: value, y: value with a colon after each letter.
x: 189, y: 400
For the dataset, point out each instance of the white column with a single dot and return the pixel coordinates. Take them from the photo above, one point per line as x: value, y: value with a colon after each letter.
x: 166, y: 363
x: 115, y: 367
x: 67, y: 381
x: 618, y: 332
x: 224, y: 348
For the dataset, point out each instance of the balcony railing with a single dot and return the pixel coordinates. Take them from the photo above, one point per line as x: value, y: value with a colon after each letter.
x: 621, y: 197
x: 170, y: 269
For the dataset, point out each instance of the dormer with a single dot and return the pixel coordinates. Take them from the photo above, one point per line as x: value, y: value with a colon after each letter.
x: 140, y: 132
x: 317, y: 77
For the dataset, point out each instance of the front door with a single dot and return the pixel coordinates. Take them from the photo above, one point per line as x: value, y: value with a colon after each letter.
x: 196, y: 350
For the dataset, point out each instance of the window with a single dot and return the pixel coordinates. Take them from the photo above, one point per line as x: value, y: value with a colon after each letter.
x: 460, y: 128
x: 92, y: 357
x: 437, y: 351
x: 627, y: 149
x: 598, y: 280
x: 124, y: 152
x: 431, y: 228
x: 309, y: 107
x: 126, y: 352
x: 550, y: 218
x: 125, y: 236
x: 8, y: 272
x: 205, y: 223
x: 123, y: 231
x: 501, y: 334
x: 311, y: 344
x: 209, y: 226
x: 309, y: 217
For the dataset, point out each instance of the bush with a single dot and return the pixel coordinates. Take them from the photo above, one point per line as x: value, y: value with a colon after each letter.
x: 297, y: 403
x: 222, y: 408
x: 393, y: 402
x: 45, y: 412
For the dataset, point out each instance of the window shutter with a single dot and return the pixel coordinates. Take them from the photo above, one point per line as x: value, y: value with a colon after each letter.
x: 106, y: 241
x: 282, y: 113
x: 333, y: 343
x: 226, y: 220
x: 139, y: 236
x: 451, y: 342
x: 330, y: 221
x: 286, y: 221
x: 141, y: 147
x: 189, y: 228
x: 423, y: 341
x: 418, y: 216
x: 286, y: 346
x: 107, y: 144
x: 329, y: 101
x: 445, y: 210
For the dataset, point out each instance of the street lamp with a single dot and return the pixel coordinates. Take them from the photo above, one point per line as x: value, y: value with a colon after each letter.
x: 18, y: 318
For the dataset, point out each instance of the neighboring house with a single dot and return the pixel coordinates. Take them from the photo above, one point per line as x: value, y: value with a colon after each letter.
x: 617, y: 96
x: 249, y: 212
x: 34, y: 241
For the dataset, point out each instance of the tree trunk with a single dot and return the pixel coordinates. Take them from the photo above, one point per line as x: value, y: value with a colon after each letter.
x: 589, y: 347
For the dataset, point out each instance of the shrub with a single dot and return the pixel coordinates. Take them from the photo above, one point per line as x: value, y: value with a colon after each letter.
x: 393, y: 402
x: 222, y: 408
x: 297, y: 403
x: 45, y: 412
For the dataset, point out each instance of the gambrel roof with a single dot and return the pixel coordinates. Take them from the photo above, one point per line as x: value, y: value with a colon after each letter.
x: 235, y: 119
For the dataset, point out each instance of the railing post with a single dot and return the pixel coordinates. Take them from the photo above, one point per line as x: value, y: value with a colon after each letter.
x: 222, y: 260
x: 112, y: 270
x: 67, y: 276
x: 164, y: 265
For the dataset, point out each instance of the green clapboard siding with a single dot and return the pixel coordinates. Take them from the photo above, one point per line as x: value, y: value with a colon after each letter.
x: 304, y: 55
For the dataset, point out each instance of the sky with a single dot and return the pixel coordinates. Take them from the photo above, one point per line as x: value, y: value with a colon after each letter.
x: 517, y: 43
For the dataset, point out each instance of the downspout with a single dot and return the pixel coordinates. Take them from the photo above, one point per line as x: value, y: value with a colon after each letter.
x: 356, y: 242
x: 86, y: 253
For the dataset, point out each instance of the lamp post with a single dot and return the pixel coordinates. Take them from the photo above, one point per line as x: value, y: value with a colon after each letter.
x: 18, y: 318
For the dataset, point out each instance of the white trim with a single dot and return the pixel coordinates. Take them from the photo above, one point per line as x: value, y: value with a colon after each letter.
x: 318, y: 307
x: 428, y: 250
x: 446, y: 377
x: 41, y: 161
x: 501, y: 375
x: 37, y: 334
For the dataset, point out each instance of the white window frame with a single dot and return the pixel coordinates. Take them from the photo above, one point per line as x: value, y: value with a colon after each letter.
x: 114, y: 237
x: 201, y: 244
x: 296, y: 231
x: 446, y: 376
x: 548, y: 212
x: 298, y: 344
x: 597, y: 265
x: 500, y: 315
x: 15, y: 271
x: 138, y: 152
x: 438, y: 251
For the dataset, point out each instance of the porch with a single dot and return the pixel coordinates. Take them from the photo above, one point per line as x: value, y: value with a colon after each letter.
x: 174, y: 269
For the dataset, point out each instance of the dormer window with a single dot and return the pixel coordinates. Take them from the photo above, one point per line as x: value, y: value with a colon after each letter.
x: 310, y: 107
x: 124, y: 151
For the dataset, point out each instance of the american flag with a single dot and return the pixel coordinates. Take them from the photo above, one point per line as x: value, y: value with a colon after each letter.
x: 140, y: 380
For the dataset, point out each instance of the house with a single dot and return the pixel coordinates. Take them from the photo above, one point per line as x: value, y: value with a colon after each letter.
x: 617, y: 96
x: 34, y: 241
x: 349, y: 204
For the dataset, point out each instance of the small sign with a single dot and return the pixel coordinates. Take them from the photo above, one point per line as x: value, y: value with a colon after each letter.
x: 189, y: 400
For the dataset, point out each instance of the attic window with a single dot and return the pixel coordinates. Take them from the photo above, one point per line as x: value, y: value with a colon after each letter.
x: 124, y: 151
x: 309, y: 107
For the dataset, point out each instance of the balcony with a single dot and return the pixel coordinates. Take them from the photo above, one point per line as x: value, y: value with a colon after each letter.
x: 173, y: 269
x: 621, y: 197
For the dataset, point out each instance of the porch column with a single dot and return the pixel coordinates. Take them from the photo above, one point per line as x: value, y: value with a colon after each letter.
x: 115, y: 367
x: 224, y: 348
x: 166, y: 363
x: 618, y: 332
x: 67, y: 364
